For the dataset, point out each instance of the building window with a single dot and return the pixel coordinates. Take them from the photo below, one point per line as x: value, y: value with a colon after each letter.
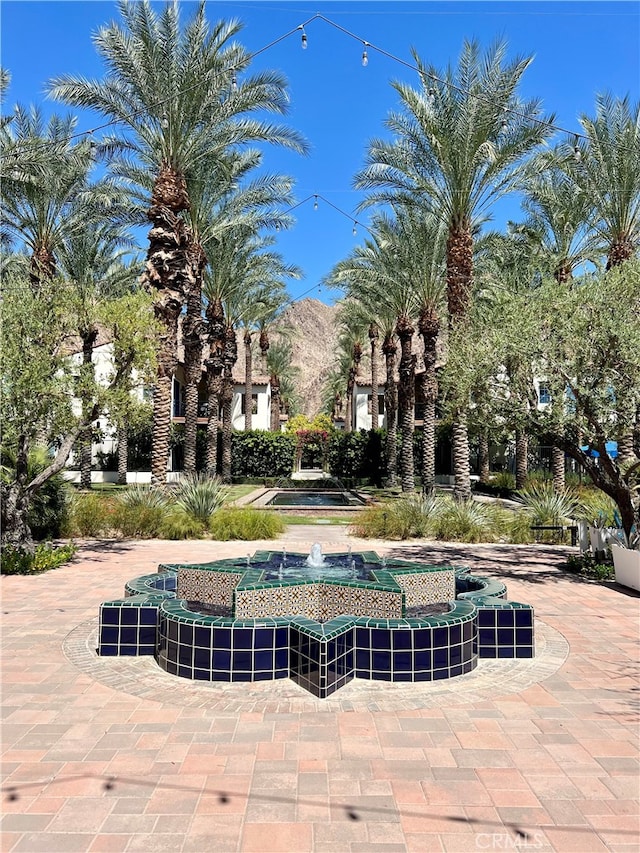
x: 380, y: 404
x: 178, y: 399
x: 254, y: 404
x: 544, y: 395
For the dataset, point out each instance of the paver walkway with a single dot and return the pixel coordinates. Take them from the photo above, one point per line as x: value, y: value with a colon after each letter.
x: 114, y: 755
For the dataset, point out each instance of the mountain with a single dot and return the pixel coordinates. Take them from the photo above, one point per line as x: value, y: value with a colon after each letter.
x: 314, y: 344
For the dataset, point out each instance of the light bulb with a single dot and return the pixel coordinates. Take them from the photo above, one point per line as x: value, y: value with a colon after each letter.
x: 354, y: 232
x: 234, y: 81
x: 304, y: 40
x: 277, y: 226
x: 577, y: 154
x: 164, y: 121
x: 365, y: 58
x: 315, y: 203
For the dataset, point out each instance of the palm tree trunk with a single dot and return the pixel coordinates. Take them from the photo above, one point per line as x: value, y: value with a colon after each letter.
x: 429, y: 327
x: 123, y: 453
x: 389, y: 349
x: 460, y: 449
x: 215, y: 367
x: 230, y: 356
x: 557, y: 469
x: 227, y: 426
x: 248, y: 383
x: 275, y: 403
x: 89, y: 337
x: 459, y: 282
x: 42, y: 266
x: 483, y: 456
x: 192, y: 328
x: 213, y: 425
x: 625, y: 449
x: 522, y: 450
x: 161, y: 429
x: 406, y: 402
x: 619, y: 252
x: 348, y: 413
x: 375, y: 409
x: 168, y: 276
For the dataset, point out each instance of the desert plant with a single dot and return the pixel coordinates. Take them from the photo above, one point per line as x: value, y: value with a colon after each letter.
x: 516, y: 527
x: 503, y: 480
x: 545, y: 507
x: 178, y: 524
x: 411, y: 517
x: 90, y: 515
x: 245, y: 524
x: 140, y: 511
x: 596, y: 508
x: 467, y: 521
x: 200, y: 495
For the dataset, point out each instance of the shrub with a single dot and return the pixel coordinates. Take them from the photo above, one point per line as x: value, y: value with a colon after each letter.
x: 262, y: 454
x: 516, y: 527
x: 200, y: 495
x: 90, y: 515
x: 14, y: 561
x: 245, y: 524
x: 597, y: 508
x: 467, y: 521
x: 178, y: 524
x: 407, y: 517
x: 545, y: 507
x: 587, y: 566
x: 503, y: 480
x: 140, y: 511
x: 357, y: 456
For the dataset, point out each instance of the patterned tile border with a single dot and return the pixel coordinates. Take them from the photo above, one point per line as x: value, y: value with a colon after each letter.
x: 141, y: 676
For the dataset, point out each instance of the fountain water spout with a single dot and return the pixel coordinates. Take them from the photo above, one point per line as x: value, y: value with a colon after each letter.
x: 315, y: 559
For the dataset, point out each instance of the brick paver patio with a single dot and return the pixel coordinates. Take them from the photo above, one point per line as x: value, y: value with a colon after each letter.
x: 114, y: 754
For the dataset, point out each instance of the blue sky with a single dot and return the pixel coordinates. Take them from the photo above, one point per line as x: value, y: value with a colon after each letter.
x: 580, y: 48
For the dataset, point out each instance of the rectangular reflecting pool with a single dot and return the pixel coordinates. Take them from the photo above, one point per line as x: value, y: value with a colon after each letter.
x: 312, y: 498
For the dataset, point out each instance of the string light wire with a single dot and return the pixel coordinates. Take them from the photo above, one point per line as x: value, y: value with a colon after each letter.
x: 301, y: 27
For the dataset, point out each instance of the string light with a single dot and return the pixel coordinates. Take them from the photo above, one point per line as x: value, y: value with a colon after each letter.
x: 577, y: 154
x: 365, y: 55
x: 354, y: 231
x: 164, y: 121
x: 315, y: 203
x: 316, y: 16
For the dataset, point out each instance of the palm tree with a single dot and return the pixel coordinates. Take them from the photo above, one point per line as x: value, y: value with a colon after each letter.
x: 352, y: 329
x: 43, y: 211
x: 606, y: 167
x: 459, y: 145
x: 376, y: 276
x: 559, y: 226
x: 282, y: 377
x: 223, y: 202
x: 177, y: 93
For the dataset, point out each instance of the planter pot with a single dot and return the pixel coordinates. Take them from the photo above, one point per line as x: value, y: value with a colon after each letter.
x: 627, y: 566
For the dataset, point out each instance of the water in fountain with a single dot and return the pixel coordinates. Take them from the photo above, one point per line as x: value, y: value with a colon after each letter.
x: 315, y: 560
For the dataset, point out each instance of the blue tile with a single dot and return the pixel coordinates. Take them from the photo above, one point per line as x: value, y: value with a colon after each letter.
x: 203, y: 636
x: 506, y: 636
x: 129, y: 616
x: 242, y: 638
x: 221, y: 675
x: 241, y: 662
x: 129, y: 650
x: 108, y: 651
x: 506, y: 618
x: 148, y: 635
x: 423, y: 638
x: 402, y: 662
x: 440, y: 637
x: 282, y: 637
x: 202, y: 658
x: 185, y: 672
x: 264, y: 638
x: 110, y: 615
x: 440, y: 658
x: 381, y: 661
x: 263, y: 660
x: 487, y: 636
x: 402, y: 639
x: 222, y: 638
x: 109, y: 634
x: 422, y: 660
x: 128, y: 636
x: 186, y: 634
x: 506, y: 652
x: 455, y: 634
x: 380, y: 638
x: 524, y: 652
x: 524, y: 636
x: 185, y: 655
x: 363, y: 638
x: 222, y: 659
x: 282, y: 658
x: 523, y: 617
